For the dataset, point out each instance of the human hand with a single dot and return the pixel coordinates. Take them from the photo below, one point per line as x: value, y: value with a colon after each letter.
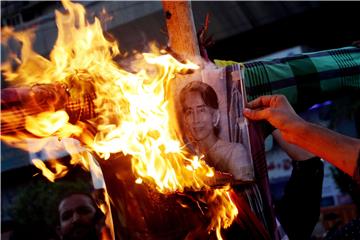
x: 277, y: 111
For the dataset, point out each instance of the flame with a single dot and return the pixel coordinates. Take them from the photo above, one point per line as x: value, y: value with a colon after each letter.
x: 46, y: 124
x: 223, y: 210
x: 132, y: 108
x: 59, y: 169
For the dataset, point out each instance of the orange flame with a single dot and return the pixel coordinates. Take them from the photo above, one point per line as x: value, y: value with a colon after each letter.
x: 51, y: 123
x: 223, y: 209
x: 59, y: 169
x: 133, y: 113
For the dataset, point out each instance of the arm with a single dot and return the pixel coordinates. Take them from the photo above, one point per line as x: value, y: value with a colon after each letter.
x: 295, y: 153
x: 341, y: 151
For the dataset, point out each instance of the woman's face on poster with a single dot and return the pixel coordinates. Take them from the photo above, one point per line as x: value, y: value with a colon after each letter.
x: 198, y: 117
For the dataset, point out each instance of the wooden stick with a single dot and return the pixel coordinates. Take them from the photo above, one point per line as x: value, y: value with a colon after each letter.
x: 181, y: 28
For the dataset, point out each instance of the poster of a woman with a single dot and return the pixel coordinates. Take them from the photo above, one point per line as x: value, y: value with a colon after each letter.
x: 201, y: 122
x: 210, y: 115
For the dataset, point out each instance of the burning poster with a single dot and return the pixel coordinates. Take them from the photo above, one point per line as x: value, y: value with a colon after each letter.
x: 159, y: 182
x: 209, y: 107
x: 212, y: 120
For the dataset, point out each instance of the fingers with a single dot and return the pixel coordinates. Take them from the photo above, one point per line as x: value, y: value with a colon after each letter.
x: 256, y: 114
x: 269, y: 101
x: 263, y: 101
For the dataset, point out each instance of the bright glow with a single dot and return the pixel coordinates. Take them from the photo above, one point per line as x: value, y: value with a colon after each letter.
x: 223, y: 209
x: 132, y: 108
x: 138, y: 181
x: 48, y: 123
x: 59, y: 169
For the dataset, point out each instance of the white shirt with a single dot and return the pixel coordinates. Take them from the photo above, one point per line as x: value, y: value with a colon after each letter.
x: 231, y: 158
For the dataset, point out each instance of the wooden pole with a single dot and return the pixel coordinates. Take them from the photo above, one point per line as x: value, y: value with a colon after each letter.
x: 181, y: 28
x: 182, y: 41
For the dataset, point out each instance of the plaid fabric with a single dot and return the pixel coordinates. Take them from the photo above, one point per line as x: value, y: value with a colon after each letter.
x: 81, y: 109
x: 17, y: 103
x: 13, y: 119
x: 305, y: 77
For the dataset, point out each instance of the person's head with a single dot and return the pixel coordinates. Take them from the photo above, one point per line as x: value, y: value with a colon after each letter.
x: 79, y: 217
x: 200, y: 108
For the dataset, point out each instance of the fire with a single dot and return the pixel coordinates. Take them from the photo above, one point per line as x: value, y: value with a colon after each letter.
x: 221, y: 206
x: 59, y: 169
x: 132, y: 108
x: 47, y: 124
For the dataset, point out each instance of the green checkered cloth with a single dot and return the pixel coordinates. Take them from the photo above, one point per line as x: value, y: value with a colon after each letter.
x: 303, y: 78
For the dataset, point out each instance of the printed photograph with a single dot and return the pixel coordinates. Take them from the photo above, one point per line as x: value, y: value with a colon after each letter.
x: 212, y: 122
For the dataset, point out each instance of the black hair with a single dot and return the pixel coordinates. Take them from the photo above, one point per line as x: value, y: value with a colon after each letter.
x: 207, y: 93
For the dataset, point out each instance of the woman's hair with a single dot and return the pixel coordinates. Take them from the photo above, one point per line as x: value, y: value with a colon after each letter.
x: 207, y: 94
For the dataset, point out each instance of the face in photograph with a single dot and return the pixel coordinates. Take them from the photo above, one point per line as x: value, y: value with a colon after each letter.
x: 198, y: 117
x: 199, y: 109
